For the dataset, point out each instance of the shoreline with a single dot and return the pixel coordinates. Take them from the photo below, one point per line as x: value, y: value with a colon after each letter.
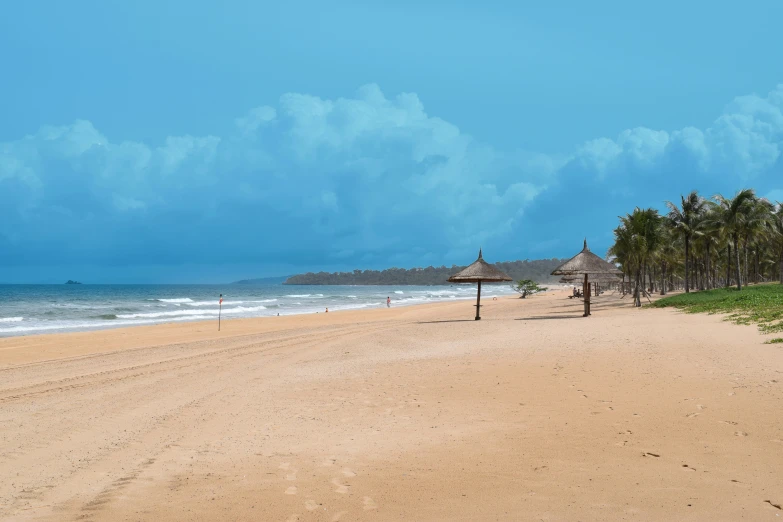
x: 25, y: 322
x: 16, y: 349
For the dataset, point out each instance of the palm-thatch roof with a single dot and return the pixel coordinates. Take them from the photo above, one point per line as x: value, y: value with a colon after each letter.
x: 594, y: 278
x: 585, y: 262
x: 479, y: 271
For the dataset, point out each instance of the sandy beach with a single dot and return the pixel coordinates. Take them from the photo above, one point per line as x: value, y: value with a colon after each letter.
x: 417, y: 413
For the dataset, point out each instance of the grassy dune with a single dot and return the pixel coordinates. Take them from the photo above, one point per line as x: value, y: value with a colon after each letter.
x: 758, y: 304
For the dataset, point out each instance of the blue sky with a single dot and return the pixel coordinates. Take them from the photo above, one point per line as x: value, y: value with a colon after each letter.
x: 174, y: 141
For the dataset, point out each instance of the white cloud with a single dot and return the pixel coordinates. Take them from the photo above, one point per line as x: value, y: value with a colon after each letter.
x: 366, y: 174
x: 178, y: 149
x: 746, y: 140
x: 255, y: 118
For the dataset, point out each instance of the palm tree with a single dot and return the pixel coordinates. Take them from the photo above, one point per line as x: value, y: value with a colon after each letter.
x: 733, y: 215
x: 709, y: 235
x: 636, y: 241
x: 621, y: 252
x: 777, y: 236
x: 667, y: 254
x: 682, y: 219
x: 757, y: 230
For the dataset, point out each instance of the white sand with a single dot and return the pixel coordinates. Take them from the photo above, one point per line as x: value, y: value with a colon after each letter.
x: 533, y: 413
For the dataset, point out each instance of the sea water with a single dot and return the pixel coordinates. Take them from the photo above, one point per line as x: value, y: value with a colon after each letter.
x: 33, y: 309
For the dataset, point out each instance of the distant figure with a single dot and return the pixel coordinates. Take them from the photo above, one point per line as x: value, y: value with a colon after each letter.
x: 327, y: 310
x: 494, y: 298
x: 388, y: 302
x: 278, y: 314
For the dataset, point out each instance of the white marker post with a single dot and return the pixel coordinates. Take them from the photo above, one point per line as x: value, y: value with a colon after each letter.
x: 220, y: 310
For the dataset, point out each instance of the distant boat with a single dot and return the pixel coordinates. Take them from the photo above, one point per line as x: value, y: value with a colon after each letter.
x: 70, y: 282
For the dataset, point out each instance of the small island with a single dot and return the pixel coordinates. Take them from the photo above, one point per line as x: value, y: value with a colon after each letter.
x: 71, y: 282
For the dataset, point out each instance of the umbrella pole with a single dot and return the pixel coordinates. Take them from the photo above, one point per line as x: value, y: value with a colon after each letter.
x: 478, y: 302
x: 586, y: 292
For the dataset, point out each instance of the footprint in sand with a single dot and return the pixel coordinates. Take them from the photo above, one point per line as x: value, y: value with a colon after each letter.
x: 291, y: 490
x: 292, y: 518
x: 369, y: 504
x: 328, y: 462
x: 291, y: 476
x: 729, y: 422
x: 338, y: 516
x: 700, y: 407
x: 741, y: 433
x: 284, y: 465
x: 691, y: 415
x: 341, y: 488
x: 348, y: 473
x: 311, y: 505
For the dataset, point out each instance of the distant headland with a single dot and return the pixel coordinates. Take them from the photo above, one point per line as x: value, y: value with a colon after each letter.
x: 262, y: 281
x: 72, y: 282
x: 538, y: 270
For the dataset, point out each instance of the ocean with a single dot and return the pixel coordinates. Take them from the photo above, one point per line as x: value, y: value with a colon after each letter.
x: 33, y: 309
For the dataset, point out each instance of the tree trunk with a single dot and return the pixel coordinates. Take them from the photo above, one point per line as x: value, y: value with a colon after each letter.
x: 746, y: 272
x: 737, y: 259
x: 687, y: 253
x: 780, y: 266
x: 700, y: 268
x: 663, y: 278
x: 758, y: 263
x: 728, y: 264
x: 707, y: 261
x: 654, y: 278
x: 637, y: 298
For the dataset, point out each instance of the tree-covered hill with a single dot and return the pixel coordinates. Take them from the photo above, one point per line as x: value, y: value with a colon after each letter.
x: 538, y: 270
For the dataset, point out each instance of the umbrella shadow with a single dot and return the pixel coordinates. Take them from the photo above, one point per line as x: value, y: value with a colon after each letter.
x: 448, y: 321
x: 548, y: 317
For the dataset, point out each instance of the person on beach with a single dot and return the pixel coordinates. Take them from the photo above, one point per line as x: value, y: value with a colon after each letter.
x: 388, y: 302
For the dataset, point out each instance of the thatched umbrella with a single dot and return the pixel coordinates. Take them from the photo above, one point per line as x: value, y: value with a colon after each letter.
x: 586, y: 264
x: 479, y: 271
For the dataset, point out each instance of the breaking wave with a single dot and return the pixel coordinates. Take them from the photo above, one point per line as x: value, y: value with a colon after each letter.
x: 180, y: 313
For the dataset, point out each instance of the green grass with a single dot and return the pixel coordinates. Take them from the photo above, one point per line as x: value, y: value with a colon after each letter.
x: 758, y: 304
x: 775, y: 341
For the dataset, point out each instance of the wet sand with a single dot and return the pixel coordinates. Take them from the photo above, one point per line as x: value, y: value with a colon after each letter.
x: 420, y: 413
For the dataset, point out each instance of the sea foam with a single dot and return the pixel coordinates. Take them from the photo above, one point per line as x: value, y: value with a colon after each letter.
x: 180, y: 313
